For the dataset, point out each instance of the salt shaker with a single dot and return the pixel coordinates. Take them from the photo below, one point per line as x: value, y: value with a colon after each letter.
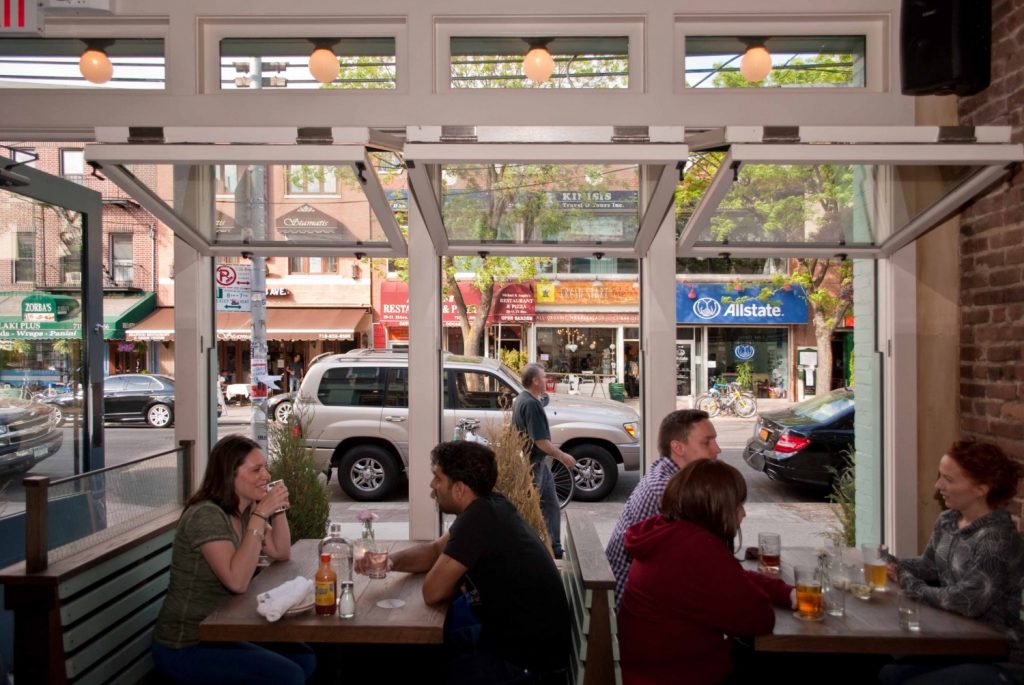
x: 347, y: 603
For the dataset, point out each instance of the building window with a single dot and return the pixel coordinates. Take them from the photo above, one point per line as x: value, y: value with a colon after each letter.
x: 589, y: 265
x: 121, y: 258
x: 313, y: 265
x: 25, y: 257
x: 312, y: 180
x: 24, y: 155
x: 72, y: 165
x: 226, y: 178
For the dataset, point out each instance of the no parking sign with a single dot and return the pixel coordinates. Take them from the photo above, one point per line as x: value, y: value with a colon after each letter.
x: 233, y: 286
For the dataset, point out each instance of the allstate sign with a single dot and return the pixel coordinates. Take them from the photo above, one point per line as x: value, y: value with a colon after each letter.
x: 707, y: 305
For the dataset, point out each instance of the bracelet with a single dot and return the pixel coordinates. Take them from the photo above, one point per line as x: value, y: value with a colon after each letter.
x: 256, y: 532
x: 259, y: 515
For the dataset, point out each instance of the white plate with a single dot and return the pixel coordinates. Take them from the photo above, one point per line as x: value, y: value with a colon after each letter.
x: 308, y: 603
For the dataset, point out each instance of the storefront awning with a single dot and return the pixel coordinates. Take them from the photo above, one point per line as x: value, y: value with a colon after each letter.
x: 293, y: 323
x: 47, y: 316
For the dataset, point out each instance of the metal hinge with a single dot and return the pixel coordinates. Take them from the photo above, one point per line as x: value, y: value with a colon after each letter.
x: 145, y: 134
x: 314, y: 135
x: 458, y: 134
x: 631, y: 134
x: 957, y: 134
x: 781, y: 134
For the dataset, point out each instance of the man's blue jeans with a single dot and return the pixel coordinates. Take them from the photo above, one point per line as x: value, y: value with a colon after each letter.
x: 545, y: 483
x: 236, y: 663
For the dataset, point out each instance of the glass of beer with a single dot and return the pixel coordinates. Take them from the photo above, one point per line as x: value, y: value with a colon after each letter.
x: 769, y: 548
x: 808, y: 594
x: 377, y: 563
x: 874, y: 567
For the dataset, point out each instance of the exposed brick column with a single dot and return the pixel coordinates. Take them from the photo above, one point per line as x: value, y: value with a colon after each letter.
x: 992, y: 262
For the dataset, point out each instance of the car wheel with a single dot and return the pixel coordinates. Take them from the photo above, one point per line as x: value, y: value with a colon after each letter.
x: 596, y: 472
x: 564, y: 486
x: 283, y: 411
x: 58, y: 415
x: 367, y: 473
x: 159, y: 416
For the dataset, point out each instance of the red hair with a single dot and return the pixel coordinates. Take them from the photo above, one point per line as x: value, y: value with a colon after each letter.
x: 987, y: 464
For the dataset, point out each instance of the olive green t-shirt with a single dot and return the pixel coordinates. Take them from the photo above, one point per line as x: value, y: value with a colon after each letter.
x: 194, y: 590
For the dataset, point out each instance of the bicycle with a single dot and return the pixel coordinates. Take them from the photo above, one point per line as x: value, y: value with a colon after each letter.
x: 728, y: 398
x: 565, y: 482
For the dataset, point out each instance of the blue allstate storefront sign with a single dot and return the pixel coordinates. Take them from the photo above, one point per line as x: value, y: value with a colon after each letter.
x: 716, y: 304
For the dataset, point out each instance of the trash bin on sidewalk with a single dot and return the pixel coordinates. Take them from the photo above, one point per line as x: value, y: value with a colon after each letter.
x: 549, y: 383
x: 617, y: 391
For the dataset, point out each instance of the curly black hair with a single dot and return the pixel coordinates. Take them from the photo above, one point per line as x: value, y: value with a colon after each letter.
x: 467, y: 462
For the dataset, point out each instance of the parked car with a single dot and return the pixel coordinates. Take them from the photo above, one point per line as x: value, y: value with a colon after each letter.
x: 354, y: 409
x: 805, y: 443
x: 128, y: 397
x: 28, y: 434
x: 279, y: 407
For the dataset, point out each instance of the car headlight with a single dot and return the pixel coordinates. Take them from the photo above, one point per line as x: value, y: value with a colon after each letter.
x: 3, y: 429
x: 632, y: 429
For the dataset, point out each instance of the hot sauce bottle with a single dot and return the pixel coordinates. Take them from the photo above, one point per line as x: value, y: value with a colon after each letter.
x: 326, y: 584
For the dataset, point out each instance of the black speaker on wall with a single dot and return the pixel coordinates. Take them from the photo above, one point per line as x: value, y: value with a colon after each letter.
x: 945, y: 46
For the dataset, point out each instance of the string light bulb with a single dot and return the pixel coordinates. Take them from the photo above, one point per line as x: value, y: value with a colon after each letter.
x: 757, y: 61
x: 323, y: 63
x: 538, y: 65
x: 94, y: 64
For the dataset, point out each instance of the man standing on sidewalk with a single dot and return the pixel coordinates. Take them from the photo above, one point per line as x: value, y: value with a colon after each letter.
x: 529, y: 417
x: 684, y: 436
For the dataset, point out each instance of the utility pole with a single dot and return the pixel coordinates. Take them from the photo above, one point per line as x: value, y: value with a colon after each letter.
x: 258, y: 379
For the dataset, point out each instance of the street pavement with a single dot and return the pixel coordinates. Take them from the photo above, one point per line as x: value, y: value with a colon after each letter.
x: 799, y: 515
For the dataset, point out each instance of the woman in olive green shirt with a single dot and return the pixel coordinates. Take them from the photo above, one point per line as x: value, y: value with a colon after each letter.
x: 216, y: 548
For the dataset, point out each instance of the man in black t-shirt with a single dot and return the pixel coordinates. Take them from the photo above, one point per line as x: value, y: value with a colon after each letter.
x: 528, y: 416
x: 491, y: 562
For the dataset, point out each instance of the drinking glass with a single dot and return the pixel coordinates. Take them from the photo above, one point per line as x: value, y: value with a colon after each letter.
x: 909, y: 611
x: 271, y: 486
x: 833, y: 594
x: 808, y: 593
x: 874, y: 567
x: 377, y: 563
x: 769, y: 547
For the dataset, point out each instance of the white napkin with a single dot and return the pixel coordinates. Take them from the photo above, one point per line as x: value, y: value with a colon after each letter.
x: 273, y: 603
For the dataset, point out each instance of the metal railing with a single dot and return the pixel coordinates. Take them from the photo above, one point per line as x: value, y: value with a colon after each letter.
x: 100, y: 505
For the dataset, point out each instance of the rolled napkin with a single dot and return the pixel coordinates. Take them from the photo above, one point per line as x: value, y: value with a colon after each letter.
x: 273, y: 603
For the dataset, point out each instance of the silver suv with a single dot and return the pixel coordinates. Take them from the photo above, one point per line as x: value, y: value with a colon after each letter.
x: 354, y: 408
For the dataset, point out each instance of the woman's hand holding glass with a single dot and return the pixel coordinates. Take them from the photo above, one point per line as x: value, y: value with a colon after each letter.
x: 275, y: 501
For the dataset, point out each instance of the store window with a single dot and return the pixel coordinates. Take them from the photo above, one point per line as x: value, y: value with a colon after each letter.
x: 226, y: 178
x: 758, y: 358
x: 576, y: 350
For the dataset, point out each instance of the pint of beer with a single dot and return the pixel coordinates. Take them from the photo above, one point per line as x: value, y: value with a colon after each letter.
x: 874, y: 567
x: 808, y: 594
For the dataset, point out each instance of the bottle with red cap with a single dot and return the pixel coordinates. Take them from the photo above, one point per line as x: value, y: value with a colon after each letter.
x: 326, y: 584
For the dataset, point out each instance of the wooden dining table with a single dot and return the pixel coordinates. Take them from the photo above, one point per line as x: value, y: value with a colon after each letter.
x: 872, y: 627
x: 414, y: 623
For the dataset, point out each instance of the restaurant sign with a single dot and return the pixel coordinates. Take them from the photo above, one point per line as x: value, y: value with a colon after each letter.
x: 588, y: 293
x: 45, y: 307
x: 512, y: 304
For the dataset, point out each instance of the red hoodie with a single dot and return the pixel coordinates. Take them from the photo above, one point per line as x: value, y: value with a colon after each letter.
x: 685, y: 594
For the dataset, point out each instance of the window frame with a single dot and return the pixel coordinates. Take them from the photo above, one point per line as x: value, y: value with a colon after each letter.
x: 20, y: 260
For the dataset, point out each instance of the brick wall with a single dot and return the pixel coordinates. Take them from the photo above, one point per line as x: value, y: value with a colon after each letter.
x: 992, y: 261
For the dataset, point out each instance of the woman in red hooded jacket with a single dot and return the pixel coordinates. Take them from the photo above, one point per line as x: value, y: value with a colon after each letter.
x: 686, y: 593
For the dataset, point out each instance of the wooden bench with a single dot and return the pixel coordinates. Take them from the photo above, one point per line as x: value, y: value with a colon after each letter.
x: 89, y: 618
x: 590, y: 587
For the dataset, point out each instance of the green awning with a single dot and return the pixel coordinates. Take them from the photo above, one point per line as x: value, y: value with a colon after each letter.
x: 45, y: 311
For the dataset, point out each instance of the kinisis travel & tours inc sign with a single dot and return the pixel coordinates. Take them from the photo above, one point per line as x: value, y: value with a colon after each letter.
x: 722, y: 304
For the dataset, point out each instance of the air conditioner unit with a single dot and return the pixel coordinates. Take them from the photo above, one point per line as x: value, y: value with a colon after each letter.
x: 73, y: 278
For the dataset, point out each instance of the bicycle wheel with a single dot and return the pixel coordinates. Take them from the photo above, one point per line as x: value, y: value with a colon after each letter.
x: 564, y: 483
x: 708, y: 403
x: 745, y: 405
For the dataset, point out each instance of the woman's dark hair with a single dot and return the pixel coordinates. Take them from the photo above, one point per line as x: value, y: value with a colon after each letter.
x: 218, y: 484
x: 467, y: 462
x: 707, y: 493
x: 987, y: 464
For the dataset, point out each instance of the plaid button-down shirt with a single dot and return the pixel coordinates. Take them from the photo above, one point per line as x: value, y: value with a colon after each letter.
x: 644, y: 502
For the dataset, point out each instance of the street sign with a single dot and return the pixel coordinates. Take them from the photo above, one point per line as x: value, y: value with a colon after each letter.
x: 232, y: 284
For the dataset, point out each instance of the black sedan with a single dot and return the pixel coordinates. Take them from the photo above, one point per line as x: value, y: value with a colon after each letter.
x: 129, y: 397
x: 804, y: 443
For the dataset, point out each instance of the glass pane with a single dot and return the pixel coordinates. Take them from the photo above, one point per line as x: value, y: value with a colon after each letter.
x: 262, y: 207
x: 540, y: 203
x: 352, y: 387
x: 578, y: 62
x: 830, y: 204
x: 137, y: 63
x: 41, y: 360
x: 795, y: 62
x: 476, y: 390
x: 253, y: 63
x: 398, y: 388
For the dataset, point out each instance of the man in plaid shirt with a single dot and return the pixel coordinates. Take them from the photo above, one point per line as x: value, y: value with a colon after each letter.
x: 684, y: 436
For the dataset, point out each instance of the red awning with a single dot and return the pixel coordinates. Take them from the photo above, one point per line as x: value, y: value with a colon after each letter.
x: 513, y: 303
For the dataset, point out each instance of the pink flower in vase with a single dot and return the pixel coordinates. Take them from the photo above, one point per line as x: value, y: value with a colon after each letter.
x: 367, y: 516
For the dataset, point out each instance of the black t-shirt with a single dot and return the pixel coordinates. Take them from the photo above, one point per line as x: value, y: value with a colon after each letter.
x: 528, y: 416
x: 515, y: 590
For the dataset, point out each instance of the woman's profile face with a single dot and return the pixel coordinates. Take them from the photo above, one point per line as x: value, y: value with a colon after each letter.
x: 252, y: 477
x: 956, y: 488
